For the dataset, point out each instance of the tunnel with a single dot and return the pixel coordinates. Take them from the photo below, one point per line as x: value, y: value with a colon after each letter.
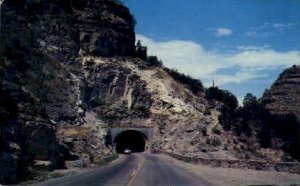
x: 130, y: 139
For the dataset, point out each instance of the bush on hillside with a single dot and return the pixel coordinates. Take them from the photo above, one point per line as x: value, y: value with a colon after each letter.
x: 229, y: 106
x: 224, y: 96
x: 152, y: 61
x: 141, y: 51
x: 195, y: 85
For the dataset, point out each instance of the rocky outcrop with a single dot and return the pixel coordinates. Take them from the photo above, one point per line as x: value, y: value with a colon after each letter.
x: 68, y: 73
x: 68, y: 28
x: 114, y: 91
x: 26, y: 133
x: 283, y: 98
x: 42, y: 110
x: 281, y: 103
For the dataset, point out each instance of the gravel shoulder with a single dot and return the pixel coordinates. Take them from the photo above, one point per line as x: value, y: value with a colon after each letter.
x: 236, y: 177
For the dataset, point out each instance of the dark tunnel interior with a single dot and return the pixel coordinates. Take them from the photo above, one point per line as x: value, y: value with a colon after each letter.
x: 130, y: 139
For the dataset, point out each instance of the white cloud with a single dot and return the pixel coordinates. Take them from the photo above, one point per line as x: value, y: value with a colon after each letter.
x: 267, y: 29
x: 242, y: 66
x: 238, y: 77
x: 259, y: 33
x: 221, y: 32
x: 252, y: 48
x: 278, y: 25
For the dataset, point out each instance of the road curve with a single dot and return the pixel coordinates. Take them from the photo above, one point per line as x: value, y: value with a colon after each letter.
x: 132, y: 170
x: 160, y: 172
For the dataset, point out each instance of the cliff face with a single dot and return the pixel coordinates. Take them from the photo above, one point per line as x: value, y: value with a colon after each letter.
x: 42, y: 86
x: 68, y: 28
x: 67, y: 76
x: 40, y: 41
x: 284, y: 96
x: 68, y: 73
x: 283, y: 109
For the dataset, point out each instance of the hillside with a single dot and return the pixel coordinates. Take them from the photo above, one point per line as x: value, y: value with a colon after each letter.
x: 281, y: 103
x: 69, y: 72
x: 69, y: 76
x: 42, y: 87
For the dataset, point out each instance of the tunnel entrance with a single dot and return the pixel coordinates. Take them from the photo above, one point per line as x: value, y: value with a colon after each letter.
x: 130, y: 139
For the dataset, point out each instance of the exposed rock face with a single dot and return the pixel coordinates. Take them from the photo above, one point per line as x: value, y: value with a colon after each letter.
x: 113, y: 90
x: 60, y: 91
x: 282, y: 104
x: 66, y: 28
x: 42, y: 87
x: 284, y: 96
x: 67, y: 73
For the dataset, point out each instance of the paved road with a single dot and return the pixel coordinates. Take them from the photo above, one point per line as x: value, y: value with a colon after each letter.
x: 132, y: 170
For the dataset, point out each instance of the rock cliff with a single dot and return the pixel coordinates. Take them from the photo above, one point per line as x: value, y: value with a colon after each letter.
x: 42, y: 87
x: 68, y: 73
x: 281, y: 104
x: 283, y: 98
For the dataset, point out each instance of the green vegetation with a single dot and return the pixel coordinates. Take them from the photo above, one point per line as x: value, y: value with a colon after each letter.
x: 216, y: 130
x: 33, y: 174
x: 106, y: 160
x: 252, y: 121
x: 195, y: 85
x: 228, y: 108
x: 214, y: 141
x: 152, y: 61
x: 140, y: 50
x: 224, y: 96
x: 203, y: 131
x: 248, y: 118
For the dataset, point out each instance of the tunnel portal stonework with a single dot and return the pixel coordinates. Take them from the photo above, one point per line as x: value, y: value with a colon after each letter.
x: 146, y: 131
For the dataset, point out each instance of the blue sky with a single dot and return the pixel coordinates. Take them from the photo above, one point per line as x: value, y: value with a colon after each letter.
x: 242, y: 44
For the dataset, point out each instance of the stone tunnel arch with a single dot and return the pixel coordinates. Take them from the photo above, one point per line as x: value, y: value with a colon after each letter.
x: 134, y: 140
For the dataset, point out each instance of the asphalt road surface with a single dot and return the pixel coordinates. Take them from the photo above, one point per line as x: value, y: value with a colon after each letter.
x: 132, y: 170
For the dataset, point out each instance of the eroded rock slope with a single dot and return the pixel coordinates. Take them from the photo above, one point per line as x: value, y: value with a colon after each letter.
x: 283, y: 98
x: 68, y: 73
x: 282, y: 103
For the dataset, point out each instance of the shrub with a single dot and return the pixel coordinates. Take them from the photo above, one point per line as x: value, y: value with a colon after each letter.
x: 225, y: 147
x: 195, y: 85
x: 105, y: 160
x: 204, y: 131
x: 33, y: 174
x: 229, y: 106
x: 216, y: 130
x: 140, y: 50
x: 207, y: 112
x: 152, y: 61
x: 215, y: 141
x: 214, y: 93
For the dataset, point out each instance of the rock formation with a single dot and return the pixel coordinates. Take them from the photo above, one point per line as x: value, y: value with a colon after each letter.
x: 282, y: 104
x: 283, y: 98
x: 69, y: 71
x: 42, y: 88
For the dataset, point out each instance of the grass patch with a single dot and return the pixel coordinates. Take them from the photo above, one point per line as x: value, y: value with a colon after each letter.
x: 56, y: 175
x: 216, y: 130
x: 33, y: 174
x: 106, y: 160
x: 73, y: 132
